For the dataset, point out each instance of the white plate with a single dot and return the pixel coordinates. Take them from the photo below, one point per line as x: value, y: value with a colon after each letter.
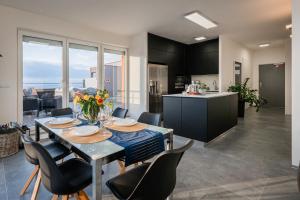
x: 125, y: 122
x: 84, y: 130
x: 61, y: 120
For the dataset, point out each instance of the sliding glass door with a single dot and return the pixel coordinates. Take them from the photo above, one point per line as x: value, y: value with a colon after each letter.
x: 83, y: 69
x: 42, y: 77
x: 115, y: 75
x: 53, y: 68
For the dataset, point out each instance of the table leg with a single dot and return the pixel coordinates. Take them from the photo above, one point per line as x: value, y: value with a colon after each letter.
x: 170, y: 147
x: 97, y: 179
x: 37, y: 132
x: 170, y: 141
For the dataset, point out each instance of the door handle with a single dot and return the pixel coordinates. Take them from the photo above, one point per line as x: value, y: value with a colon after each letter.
x: 260, y: 84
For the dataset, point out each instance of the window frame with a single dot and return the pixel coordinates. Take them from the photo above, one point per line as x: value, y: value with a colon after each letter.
x: 65, y: 62
x: 126, y: 78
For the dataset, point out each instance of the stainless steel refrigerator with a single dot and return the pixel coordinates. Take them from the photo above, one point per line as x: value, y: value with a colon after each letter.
x: 158, y: 86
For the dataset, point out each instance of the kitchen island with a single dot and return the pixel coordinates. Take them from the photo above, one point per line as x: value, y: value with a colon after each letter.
x: 200, y: 117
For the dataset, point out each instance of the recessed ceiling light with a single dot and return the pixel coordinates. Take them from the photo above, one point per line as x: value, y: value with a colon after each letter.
x: 264, y: 45
x: 289, y: 26
x: 200, y: 20
x: 200, y: 38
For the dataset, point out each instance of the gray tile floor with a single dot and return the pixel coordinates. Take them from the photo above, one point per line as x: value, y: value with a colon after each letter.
x: 250, y: 162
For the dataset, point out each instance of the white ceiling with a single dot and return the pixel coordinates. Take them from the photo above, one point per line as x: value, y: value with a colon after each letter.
x: 250, y: 22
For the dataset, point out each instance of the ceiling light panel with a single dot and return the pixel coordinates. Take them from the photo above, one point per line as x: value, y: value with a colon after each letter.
x: 200, y: 20
x: 200, y: 38
x: 264, y: 45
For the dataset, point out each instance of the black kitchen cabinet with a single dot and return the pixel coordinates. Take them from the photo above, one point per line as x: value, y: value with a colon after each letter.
x: 168, y: 52
x: 193, y: 118
x: 198, y: 118
x: 182, y: 59
x: 203, y: 58
x: 173, y: 107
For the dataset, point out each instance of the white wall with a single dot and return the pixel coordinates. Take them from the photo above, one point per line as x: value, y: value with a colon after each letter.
x: 295, y: 83
x: 138, y: 73
x: 272, y: 55
x: 230, y: 51
x: 288, y: 76
x: 12, y: 19
x: 267, y: 55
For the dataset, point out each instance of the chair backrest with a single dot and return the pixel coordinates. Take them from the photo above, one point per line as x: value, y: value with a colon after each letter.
x: 61, y: 111
x: 120, y: 112
x: 150, y: 118
x: 29, y: 151
x: 46, y: 93
x: 52, y: 177
x: 159, y: 180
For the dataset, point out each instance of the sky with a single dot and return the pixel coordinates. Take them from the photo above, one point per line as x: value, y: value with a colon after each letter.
x: 43, y: 63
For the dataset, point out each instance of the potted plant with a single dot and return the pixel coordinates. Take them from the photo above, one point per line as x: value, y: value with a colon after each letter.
x: 246, y: 95
x: 91, y: 105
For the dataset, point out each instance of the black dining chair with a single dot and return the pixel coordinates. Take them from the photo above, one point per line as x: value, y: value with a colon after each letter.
x: 57, y: 113
x: 61, y: 112
x: 150, y: 118
x: 120, y: 112
x: 57, y: 152
x: 155, y: 180
x: 68, y: 178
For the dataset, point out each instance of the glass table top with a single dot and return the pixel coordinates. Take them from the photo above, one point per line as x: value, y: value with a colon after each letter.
x: 99, y: 150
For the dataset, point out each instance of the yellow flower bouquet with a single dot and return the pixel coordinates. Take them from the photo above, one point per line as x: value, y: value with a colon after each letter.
x: 91, y: 105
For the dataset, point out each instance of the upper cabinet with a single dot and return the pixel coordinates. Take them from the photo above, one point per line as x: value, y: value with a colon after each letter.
x: 182, y: 59
x: 168, y: 52
x: 203, y: 58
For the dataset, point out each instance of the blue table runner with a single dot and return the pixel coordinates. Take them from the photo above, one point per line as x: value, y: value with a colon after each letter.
x: 140, y: 145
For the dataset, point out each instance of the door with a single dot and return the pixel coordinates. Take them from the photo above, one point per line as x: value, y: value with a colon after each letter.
x: 83, y: 69
x: 42, y: 77
x: 238, y: 72
x: 158, y: 86
x: 272, y: 84
x: 114, y: 75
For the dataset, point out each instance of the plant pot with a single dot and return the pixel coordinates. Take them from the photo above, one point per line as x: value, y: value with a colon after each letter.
x: 241, y: 108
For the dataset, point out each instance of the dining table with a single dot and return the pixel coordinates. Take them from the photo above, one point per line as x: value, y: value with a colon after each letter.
x: 99, y: 153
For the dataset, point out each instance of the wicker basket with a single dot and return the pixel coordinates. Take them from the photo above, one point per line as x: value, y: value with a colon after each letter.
x: 9, y: 143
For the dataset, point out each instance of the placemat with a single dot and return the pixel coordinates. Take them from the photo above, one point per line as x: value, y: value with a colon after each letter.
x: 102, y: 135
x: 62, y: 126
x: 128, y: 129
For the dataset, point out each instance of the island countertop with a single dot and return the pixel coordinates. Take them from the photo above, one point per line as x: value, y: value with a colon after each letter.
x: 207, y: 95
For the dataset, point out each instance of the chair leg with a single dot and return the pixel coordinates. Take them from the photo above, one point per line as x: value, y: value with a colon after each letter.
x: 65, y: 197
x: 55, y: 197
x: 81, y: 195
x: 76, y: 196
x: 122, y: 167
x: 36, y: 186
x: 29, y: 180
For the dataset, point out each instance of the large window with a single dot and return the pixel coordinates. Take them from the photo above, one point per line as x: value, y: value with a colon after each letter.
x: 42, y: 77
x: 54, y: 68
x: 83, y: 68
x: 114, y: 75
